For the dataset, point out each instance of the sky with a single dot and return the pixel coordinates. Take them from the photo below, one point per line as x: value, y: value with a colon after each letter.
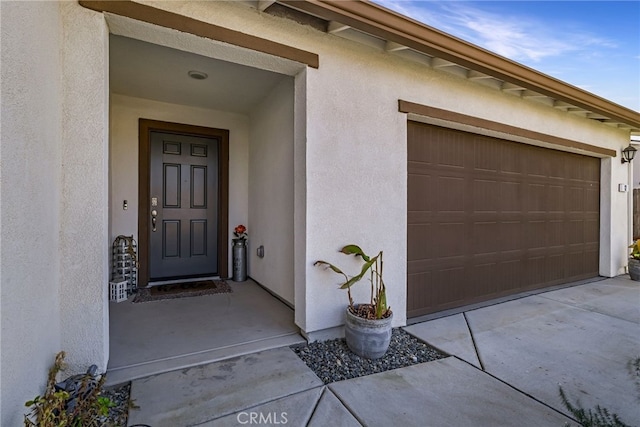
x: 594, y: 45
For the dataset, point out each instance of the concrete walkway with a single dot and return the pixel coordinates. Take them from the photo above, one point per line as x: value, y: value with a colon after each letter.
x: 508, y: 361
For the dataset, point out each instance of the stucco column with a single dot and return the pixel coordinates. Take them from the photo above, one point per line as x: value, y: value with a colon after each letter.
x: 614, y: 217
x: 300, y: 199
x: 84, y: 245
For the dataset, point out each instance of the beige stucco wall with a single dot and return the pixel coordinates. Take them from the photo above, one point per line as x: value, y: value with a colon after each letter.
x: 353, y: 129
x: 55, y: 239
x: 84, y: 245
x: 125, y: 112
x: 30, y: 199
x: 271, y: 181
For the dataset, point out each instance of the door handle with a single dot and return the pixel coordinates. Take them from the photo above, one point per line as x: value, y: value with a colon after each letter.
x: 154, y: 214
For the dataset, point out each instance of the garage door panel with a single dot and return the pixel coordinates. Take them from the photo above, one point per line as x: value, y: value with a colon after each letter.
x: 420, y: 202
x: 511, y: 235
x: 592, y: 232
x: 449, y: 191
x: 510, y: 274
x: 575, y: 232
x: 574, y: 263
x: 555, y: 233
x: 554, y: 267
x: 511, y: 161
x: 590, y: 173
x: 555, y: 198
x: 536, y: 234
x: 485, y: 279
x: 488, y: 158
x: 451, y: 151
x: 419, y: 247
x: 495, y: 217
x: 485, y: 195
x: 592, y: 199
x: 537, y: 165
x: 534, y: 271
x: 511, y: 197
x: 558, y: 167
x: 449, y: 240
x: 451, y: 284
x: 420, y: 290
x: 574, y: 170
x: 483, y: 238
x: 574, y: 200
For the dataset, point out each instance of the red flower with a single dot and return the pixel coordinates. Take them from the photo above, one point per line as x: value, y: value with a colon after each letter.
x: 240, y: 232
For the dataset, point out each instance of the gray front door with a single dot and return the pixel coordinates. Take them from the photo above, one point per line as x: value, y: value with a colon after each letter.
x: 184, y: 206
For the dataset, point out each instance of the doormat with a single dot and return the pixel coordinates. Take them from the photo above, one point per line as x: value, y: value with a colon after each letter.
x: 182, y: 290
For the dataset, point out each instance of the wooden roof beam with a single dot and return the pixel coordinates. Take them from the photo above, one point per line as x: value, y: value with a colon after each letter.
x: 394, y: 47
x: 262, y: 5
x: 336, y: 27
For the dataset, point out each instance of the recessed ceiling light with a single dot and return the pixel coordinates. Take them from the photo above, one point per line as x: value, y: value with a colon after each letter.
x: 198, y: 75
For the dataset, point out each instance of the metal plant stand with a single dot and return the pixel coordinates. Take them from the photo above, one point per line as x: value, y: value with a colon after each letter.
x: 239, y: 260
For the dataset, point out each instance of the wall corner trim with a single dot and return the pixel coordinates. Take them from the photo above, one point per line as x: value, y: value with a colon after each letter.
x: 152, y: 15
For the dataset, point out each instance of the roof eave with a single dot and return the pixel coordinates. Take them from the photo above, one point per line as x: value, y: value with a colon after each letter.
x: 384, y: 23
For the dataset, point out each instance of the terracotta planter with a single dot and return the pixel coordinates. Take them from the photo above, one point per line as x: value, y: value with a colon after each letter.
x: 634, y: 269
x: 368, y: 338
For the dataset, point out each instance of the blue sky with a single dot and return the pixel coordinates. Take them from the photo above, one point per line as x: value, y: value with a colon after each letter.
x: 594, y: 45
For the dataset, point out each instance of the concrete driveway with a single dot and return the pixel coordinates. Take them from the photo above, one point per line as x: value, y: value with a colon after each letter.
x: 508, y: 362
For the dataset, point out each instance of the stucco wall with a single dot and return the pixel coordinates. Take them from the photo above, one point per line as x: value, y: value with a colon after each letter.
x: 30, y: 200
x: 353, y: 129
x: 125, y: 112
x: 271, y: 191
x: 349, y: 168
x: 84, y: 245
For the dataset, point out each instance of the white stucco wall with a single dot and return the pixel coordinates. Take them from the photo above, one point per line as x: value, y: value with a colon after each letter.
x: 271, y: 180
x: 367, y: 137
x: 125, y: 112
x: 84, y: 244
x: 349, y: 168
x: 30, y: 200
x: 353, y: 129
x: 300, y: 198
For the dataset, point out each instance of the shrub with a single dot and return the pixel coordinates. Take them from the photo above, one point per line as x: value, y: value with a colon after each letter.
x: 57, y: 408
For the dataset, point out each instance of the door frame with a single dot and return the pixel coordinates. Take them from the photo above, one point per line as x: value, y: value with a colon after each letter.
x: 145, y: 127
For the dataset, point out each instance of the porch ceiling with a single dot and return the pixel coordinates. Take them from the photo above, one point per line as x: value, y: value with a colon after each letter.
x: 146, y: 70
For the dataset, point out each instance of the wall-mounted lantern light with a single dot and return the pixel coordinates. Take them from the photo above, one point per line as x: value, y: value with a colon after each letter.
x: 628, y: 154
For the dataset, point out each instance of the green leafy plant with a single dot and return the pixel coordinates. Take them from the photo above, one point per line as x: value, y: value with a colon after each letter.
x: 377, y: 307
x: 600, y: 417
x: 635, y: 249
x: 53, y: 409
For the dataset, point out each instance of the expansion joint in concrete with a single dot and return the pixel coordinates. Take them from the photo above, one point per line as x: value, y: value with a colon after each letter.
x: 473, y: 340
x: 315, y: 407
x: 351, y: 411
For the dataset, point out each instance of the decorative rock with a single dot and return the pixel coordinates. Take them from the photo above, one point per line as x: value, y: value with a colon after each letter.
x: 404, y: 350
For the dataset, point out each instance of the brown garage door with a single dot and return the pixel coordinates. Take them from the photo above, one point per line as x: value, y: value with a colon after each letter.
x: 488, y: 218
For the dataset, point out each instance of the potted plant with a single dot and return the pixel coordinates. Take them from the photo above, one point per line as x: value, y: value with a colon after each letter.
x: 634, y: 261
x: 368, y: 325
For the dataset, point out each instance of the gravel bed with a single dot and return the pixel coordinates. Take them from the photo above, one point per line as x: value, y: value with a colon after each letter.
x: 333, y: 361
x: 120, y: 395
